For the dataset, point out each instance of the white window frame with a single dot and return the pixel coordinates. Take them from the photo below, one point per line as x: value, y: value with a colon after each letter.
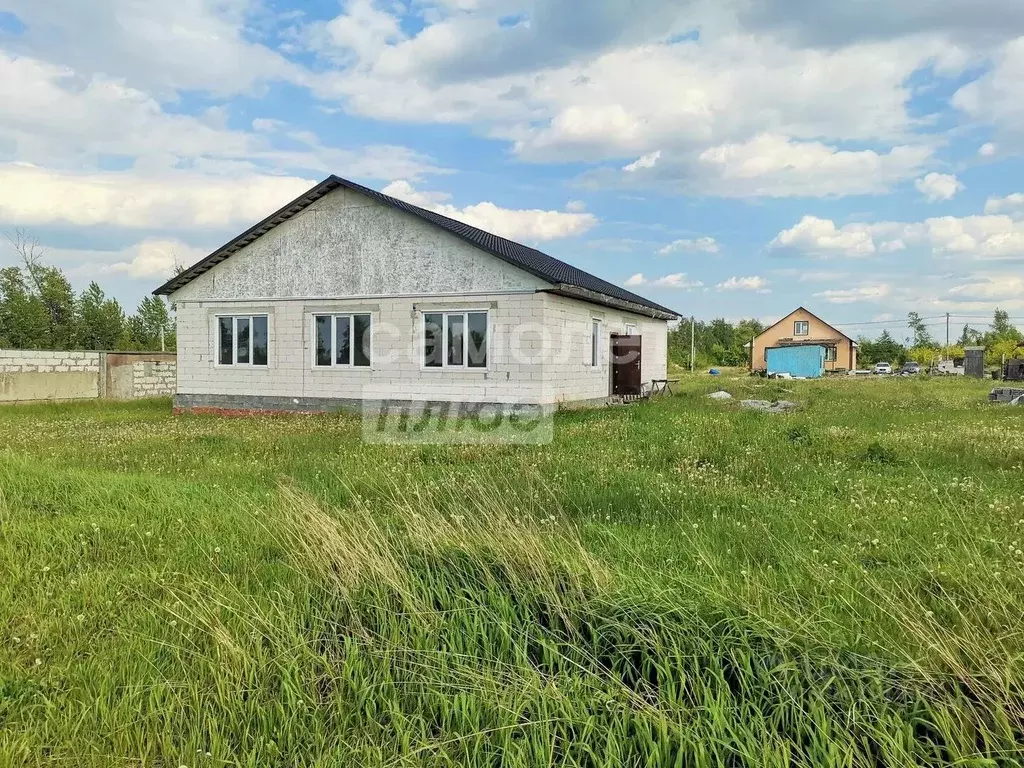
x: 444, y: 340
x: 831, y: 354
x: 807, y: 327
x: 596, y: 327
x: 334, y: 341
x: 630, y: 329
x: 234, y: 343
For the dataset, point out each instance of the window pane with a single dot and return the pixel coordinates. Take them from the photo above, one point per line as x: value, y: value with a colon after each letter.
x: 456, y: 341
x: 477, y: 339
x: 227, y: 344
x: 342, y: 340
x: 433, y: 354
x: 259, y: 341
x: 595, y: 337
x: 323, y: 339
x: 361, y: 339
x: 242, y: 338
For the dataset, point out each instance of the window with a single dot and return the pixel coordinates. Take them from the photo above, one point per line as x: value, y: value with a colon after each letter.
x: 455, y: 339
x: 630, y: 329
x: 830, y: 354
x: 801, y: 328
x: 342, y: 340
x: 595, y: 343
x: 242, y: 340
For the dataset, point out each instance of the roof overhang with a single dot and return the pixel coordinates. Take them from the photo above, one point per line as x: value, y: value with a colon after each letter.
x: 593, y: 297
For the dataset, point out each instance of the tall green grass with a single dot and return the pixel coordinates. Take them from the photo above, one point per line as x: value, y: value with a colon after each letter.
x: 680, y: 583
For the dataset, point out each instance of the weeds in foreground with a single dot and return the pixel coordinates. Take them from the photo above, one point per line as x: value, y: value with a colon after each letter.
x: 679, y: 584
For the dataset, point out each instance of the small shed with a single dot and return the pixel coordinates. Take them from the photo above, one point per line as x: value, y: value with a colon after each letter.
x: 974, y: 362
x: 803, y: 360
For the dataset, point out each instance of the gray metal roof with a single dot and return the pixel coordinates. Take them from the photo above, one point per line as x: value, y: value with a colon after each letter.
x: 565, y: 278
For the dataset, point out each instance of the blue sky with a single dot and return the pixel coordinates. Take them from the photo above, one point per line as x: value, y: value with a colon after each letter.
x: 733, y: 158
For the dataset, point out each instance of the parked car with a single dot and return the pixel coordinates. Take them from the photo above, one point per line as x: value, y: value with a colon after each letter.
x: 910, y: 368
x: 882, y: 369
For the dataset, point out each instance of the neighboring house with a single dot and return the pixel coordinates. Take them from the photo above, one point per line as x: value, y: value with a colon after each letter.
x: 347, y: 295
x: 798, y: 329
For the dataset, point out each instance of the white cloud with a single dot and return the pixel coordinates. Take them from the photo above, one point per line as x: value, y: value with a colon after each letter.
x: 678, y: 280
x: 1011, y: 204
x: 863, y: 292
x: 975, y: 237
x: 644, y: 161
x: 514, y: 223
x: 990, y: 288
x: 53, y: 116
x: 997, y: 97
x: 360, y: 32
x: 937, y: 187
x: 698, y: 245
x: 752, y: 116
x: 988, y: 149
x: 821, y: 237
x: 33, y: 196
x: 202, y: 45
x: 979, y: 237
x: 774, y: 166
x: 753, y: 283
x: 576, y: 206
x: 151, y: 258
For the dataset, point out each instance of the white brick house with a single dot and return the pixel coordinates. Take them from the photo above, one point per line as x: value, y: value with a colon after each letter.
x: 347, y: 295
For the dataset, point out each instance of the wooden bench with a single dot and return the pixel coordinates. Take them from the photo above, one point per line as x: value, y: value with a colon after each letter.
x: 662, y: 386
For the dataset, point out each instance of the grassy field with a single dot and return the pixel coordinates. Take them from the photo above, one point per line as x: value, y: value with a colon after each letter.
x: 676, y: 583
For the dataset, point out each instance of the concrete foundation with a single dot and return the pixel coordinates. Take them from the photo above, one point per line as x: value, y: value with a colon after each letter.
x: 249, y: 405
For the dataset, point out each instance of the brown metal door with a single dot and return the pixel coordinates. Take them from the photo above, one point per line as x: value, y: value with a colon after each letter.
x: 626, y: 364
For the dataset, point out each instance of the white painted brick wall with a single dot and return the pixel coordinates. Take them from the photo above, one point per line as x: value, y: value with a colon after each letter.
x: 572, y: 377
x: 154, y: 379
x: 46, y: 361
x: 550, y: 333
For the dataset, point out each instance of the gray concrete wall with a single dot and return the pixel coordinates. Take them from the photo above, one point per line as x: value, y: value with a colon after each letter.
x: 348, y: 245
x: 28, y: 375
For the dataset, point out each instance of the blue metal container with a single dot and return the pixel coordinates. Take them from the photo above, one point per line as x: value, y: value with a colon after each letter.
x: 806, y: 361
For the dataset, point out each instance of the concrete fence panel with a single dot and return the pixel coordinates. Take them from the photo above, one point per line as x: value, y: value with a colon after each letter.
x: 28, y: 375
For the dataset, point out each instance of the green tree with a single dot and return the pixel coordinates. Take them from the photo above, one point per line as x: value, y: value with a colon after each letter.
x: 884, y: 349
x: 970, y: 337
x: 24, y: 321
x: 151, y: 325
x: 922, y: 337
x: 101, y: 320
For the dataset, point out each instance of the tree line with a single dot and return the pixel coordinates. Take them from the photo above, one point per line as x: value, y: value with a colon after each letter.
x: 1001, y: 340
x: 721, y: 343
x: 39, y: 310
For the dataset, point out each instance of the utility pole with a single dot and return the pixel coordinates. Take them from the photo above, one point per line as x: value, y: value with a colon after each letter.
x: 692, y: 348
x: 947, y: 334
x: 163, y: 347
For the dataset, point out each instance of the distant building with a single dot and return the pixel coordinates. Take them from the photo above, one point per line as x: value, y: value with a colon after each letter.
x: 800, y: 328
